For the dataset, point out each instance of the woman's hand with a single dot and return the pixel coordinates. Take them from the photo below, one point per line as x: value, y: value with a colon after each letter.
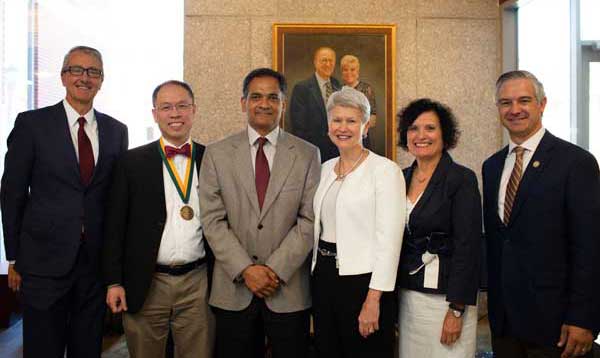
x: 451, y: 329
x: 368, y: 319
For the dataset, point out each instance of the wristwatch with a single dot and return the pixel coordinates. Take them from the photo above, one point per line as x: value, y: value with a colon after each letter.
x: 456, y: 311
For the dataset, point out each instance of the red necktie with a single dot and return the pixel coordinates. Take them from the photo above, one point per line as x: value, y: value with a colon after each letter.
x: 170, y: 152
x: 262, y: 172
x: 86, y: 155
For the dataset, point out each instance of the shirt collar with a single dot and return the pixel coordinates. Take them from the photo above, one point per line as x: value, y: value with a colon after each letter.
x: 167, y: 143
x: 321, y: 80
x: 73, y: 116
x: 530, y: 144
x: 272, y: 136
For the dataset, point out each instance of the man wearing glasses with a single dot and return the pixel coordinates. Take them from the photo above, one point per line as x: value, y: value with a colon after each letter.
x: 155, y: 261
x: 56, y: 177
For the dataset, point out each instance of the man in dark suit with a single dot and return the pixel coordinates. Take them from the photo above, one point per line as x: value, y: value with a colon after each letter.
x: 55, y: 181
x: 541, y: 212
x: 308, y: 117
x: 154, y: 256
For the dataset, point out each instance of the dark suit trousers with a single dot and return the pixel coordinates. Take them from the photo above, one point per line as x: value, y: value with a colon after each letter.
x: 337, y: 302
x: 242, y: 333
x: 509, y: 346
x: 73, y: 319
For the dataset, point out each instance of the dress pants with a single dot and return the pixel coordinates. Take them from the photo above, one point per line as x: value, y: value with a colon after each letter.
x: 64, y: 313
x: 178, y: 303
x: 242, y: 333
x: 337, y: 302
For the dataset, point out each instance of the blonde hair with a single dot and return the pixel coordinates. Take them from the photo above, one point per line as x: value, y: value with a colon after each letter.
x: 349, y: 59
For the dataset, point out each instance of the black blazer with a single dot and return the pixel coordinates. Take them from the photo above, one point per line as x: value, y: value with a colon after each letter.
x: 135, y: 219
x: 543, y: 268
x: 44, y: 203
x: 450, y: 204
x: 308, y: 117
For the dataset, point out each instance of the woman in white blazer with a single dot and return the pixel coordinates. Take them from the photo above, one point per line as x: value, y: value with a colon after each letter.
x: 359, y: 219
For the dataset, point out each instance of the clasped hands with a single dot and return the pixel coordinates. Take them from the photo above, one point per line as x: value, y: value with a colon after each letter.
x: 261, y: 280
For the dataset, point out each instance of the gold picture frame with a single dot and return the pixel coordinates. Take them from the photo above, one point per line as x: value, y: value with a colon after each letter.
x: 375, y: 46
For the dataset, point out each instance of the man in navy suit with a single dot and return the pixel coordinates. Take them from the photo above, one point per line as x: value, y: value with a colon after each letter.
x: 542, y: 222
x: 57, y: 170
x: 307, y: 115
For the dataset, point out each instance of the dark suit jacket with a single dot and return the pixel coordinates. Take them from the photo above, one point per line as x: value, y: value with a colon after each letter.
x: 450, y: 204
x: 44, y: 203
x: 543, y: 267
x: 135, y: 219
x: 308, y: 117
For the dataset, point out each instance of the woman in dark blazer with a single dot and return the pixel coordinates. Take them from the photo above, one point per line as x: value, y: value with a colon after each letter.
x: 439, y: 266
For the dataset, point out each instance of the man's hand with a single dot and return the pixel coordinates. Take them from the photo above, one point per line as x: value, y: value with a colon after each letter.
x: 576, y: 340
x: 451, y: 329
x: 14, y: 279
x: 261, y: 280
x: 115, y: 299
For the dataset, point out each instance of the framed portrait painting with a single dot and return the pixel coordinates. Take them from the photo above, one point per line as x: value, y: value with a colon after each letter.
x: 364, y: 58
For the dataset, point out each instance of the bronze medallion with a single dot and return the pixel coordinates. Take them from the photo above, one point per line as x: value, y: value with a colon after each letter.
x: 186, y: 212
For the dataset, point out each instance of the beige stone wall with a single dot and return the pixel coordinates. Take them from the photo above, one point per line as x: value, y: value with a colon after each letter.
x: 446, y: 49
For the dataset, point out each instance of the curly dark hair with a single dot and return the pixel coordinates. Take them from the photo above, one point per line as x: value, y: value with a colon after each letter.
x: 410, y: 113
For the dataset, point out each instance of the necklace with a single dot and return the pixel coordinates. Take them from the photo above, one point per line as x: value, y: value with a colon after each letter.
x: 342, y: 176
x: 421, y: 180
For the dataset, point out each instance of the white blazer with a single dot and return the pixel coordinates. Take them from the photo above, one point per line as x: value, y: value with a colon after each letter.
x: 370, y: 213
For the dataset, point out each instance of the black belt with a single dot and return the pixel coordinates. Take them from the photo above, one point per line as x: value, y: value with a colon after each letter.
x: 178, y: 270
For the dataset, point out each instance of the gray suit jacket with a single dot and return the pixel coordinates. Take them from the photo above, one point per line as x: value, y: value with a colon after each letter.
x: 240, y: 234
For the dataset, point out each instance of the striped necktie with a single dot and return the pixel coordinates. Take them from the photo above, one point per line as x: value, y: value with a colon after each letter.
x: 328, y: 91
x: 513, y: 183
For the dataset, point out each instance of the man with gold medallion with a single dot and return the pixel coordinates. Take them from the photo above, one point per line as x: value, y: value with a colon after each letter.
x: 155, y: 261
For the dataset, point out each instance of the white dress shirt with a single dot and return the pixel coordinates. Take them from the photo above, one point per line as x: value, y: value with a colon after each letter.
x: 530, y: 146
x: 181, y: 240
x: 90, y: 128
x: 269, y: 148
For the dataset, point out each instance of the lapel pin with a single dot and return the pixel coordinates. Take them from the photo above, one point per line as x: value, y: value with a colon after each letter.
x: 536, y: 164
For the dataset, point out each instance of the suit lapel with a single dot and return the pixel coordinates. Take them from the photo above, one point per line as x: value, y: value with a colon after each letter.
x: 316, y: 92
x: 154, y: 175
x: 102, y: 143
x: 536, y: 166
x: 65, y: 143
x: 323, y: 188
x: 283, y: 162
x: 243, y: 168
x: 438, y: 174
x: 494, y: 177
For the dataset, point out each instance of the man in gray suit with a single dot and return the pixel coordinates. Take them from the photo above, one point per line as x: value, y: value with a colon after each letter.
x: 256, y: 191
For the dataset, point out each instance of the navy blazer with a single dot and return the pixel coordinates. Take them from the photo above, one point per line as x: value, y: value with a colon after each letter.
x: 135, y: 219
x: 543, y: 267
x: 308, y: 116
x: 450, y: 204
x: 44, y: 203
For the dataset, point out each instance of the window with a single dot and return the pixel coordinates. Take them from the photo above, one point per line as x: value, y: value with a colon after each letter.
x: 559, y: 41
x: 140, y: 47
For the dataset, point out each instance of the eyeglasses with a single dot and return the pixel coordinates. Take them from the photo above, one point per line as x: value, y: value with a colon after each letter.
x: 92, y: 72
x: 180, y: 107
